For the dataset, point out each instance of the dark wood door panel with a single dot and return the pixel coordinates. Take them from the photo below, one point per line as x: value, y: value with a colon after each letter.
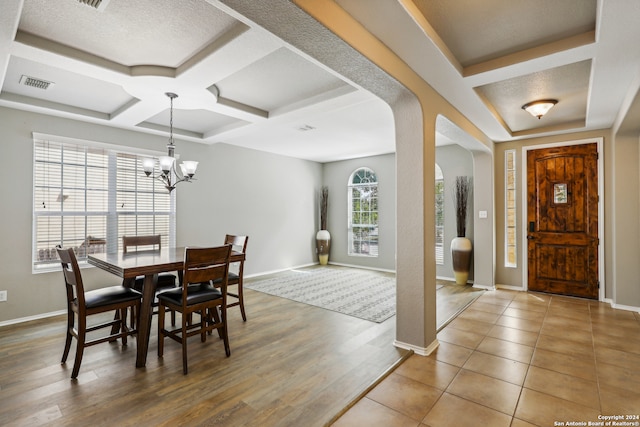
x: 562, y: 213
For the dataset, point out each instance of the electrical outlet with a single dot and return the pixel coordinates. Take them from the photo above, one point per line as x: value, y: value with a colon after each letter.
x: 3, y: 296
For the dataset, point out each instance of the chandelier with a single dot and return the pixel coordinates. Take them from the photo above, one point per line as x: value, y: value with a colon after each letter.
x: 169, y: 176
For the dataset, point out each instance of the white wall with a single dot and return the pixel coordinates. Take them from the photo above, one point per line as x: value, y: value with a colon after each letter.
x: 336, y: 177
x: 454, y: 161
x: 270, y: 198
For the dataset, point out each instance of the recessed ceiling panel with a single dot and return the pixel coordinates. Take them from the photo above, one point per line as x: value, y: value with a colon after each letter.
x: 67, y: 88
x: 198, y: 121
x: 139, y: 32
x: 277, y: 80
x: 568, y: 84
x: 477, y: 31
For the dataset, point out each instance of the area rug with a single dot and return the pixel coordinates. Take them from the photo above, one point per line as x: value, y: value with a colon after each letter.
x: 364, y: 294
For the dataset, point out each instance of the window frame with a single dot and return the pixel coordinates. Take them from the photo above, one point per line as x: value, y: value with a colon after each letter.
x: 110, y: 182
x: 510, y: 209
x: 439, y: 219
x: 367, y: 246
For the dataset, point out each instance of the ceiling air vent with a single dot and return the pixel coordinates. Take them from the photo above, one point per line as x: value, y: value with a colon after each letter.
x: 96, y: 4
x: 33, y: 82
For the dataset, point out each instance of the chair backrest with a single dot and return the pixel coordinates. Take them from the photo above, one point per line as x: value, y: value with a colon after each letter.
x: 203, y: 265
x: 72, y: 276
x: 238, y: 243
x: 137, y: 241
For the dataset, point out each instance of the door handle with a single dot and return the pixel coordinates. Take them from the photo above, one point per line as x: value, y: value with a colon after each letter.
x: 530, y: 237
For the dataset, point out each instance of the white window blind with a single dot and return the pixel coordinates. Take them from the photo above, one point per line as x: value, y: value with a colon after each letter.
x: 511, y: 248
x: 439, y: 191
x: 87, y: 197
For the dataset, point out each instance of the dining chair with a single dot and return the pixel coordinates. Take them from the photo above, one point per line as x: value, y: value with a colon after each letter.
x: 81, y: 304
x: 165, y: 280
x: 198, y: 295
x: 239, y: 244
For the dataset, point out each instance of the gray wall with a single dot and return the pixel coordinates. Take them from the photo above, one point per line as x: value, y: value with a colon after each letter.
x: 238, y: 191
x: 454, y: 161
x: 336, y: 177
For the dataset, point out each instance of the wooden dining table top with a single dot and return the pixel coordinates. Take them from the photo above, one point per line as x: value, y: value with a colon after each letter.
x: 141, y: 263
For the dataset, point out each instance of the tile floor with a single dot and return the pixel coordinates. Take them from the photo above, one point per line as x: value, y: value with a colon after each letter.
x: 515, y: 359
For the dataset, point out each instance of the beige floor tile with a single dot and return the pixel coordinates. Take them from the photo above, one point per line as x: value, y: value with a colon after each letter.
x: 497, y: 367
x: 506, y: 349
x: 428, y: 371
x: 452, y: 354
x: 577, y: 390
x: 489, y: 308
x: 520, y: 423
x: 491, y: 392
x: 452, y: 411
x: 619, y: 401
x: 490, y: 297
x: 470, y: 325
x: 615, y: 357
x: 557, y: 327
x: 544, y: 410
x: 628, y: 344
x: 480, y: 316
x: 522, y: 324
x: 369, y: 413
x: 626, y: 331
x: 533, y: 297
x: 459, y: 337
x: 581, y: 316
x: 405, y: 395
x: 514, y: 335
x: 619, y: 377
x: 524, y: 314
x: 566, y: 346
x: 530, y: 306
x: 570, y: 303
x: 580, y: 367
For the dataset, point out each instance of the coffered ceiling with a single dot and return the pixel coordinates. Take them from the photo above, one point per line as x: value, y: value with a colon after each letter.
x: 240, y: 85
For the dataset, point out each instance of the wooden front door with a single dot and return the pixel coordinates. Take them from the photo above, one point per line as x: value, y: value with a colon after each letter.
x: 562, y: 219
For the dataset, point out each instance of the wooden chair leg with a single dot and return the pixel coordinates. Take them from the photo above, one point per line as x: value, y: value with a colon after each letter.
x: 160, y: 330
x: 82, y: 336
x: 185, y: 369
x: 241, y: 301
x: 67, y: 344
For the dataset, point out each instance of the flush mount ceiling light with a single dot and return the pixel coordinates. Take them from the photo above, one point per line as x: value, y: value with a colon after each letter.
x: 539, y: 108
x: 168, y: 173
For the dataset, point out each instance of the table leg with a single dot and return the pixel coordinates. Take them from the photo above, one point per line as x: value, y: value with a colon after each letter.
x: 144, y: 318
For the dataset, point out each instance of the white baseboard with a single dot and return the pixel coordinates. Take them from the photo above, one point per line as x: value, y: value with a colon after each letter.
x: 422, y: 351
x: 30, y: 318
x: 361, y: 267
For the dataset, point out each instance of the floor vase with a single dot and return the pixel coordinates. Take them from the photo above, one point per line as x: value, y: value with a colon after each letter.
x: 323, y: 244
x: 461, y: 258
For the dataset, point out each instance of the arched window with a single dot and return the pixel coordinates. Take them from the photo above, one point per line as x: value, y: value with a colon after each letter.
x: 439, y: 216
x: 363, y: 213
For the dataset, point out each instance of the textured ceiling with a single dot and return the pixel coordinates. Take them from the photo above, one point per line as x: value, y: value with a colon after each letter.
x: 240, y: 84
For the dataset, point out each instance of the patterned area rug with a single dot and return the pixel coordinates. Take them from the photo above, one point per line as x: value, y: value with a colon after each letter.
x: 364, y: 294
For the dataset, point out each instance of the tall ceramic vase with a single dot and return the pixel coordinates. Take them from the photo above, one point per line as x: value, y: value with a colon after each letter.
x: 323, y: 244
x: 461, y: 257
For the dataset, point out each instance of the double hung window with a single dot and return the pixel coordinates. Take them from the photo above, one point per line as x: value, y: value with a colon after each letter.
x: 87, y: 196
x: 363, y: 213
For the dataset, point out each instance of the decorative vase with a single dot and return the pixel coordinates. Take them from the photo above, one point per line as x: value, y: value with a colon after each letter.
x: 323, y: 243
x: 461, y: 257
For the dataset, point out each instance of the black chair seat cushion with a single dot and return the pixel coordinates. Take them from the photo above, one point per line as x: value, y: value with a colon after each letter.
x: 110, y: 295
x: 165, y: 280
x: 231, y: 278
x: 196, y: 293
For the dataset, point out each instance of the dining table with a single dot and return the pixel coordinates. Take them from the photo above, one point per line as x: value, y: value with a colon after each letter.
x: 147, y: 263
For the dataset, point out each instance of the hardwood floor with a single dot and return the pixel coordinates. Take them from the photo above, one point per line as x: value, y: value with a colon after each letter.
x: 291, y: 364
